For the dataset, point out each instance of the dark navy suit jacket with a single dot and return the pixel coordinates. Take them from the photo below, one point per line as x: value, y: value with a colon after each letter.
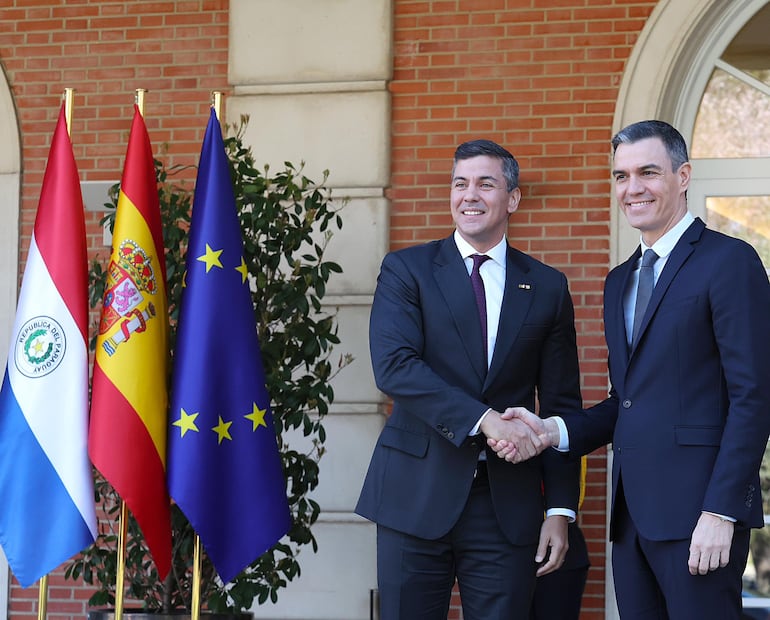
x: 689, y: 407
x: 427, y: 355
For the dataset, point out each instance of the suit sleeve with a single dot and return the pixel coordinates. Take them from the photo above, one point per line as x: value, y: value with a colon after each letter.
x: 739, y: 295
x: 396, y: 341
x: 558, y: 394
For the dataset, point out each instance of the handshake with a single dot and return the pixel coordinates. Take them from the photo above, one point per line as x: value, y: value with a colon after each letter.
x: 518, y: 434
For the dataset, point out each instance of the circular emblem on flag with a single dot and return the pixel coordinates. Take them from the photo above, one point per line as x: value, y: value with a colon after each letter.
x: 40, y: 346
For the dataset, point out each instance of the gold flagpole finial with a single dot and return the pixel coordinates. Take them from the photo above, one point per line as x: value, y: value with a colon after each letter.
x: 139, y: 99
x: 69, y: 97
x: 216, y: 103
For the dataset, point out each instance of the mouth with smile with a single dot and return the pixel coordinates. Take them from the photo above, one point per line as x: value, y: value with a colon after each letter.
x: 639, y: 204
x: 472, y: 212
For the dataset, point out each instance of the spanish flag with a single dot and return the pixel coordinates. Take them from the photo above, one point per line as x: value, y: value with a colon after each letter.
x: 127, y: 433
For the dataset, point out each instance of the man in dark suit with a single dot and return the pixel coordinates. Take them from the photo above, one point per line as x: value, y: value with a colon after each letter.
x: 689, y: 408
x: 445, y: 512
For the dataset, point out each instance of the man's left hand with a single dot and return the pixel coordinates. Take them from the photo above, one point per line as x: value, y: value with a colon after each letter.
x: 553, y: 534
x: 710, y: 544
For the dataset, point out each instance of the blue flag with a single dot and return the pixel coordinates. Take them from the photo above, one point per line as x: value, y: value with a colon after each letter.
x: 224, y: 469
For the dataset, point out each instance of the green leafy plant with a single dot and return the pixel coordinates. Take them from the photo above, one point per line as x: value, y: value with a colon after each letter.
x: 287, y: 220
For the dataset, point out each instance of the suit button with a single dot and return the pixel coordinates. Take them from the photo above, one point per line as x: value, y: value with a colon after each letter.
x: 627, y: 403
x: 450, y: 435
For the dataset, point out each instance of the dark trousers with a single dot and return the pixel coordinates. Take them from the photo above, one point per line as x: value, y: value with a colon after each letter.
x: 653, y: 582
x: 416, y: 576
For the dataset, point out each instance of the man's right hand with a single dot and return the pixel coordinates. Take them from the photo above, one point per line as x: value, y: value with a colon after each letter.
x: 511, y: 434
x: 546, y: 430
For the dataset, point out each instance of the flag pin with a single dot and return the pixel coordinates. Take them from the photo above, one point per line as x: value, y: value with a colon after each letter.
x: 526, y: 287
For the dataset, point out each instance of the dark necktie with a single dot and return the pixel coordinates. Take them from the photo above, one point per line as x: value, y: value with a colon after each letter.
x: 481, y: 300
x: 644, y: 291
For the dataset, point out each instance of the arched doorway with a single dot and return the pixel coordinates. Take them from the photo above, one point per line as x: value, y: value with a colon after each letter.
x: 10, y: 173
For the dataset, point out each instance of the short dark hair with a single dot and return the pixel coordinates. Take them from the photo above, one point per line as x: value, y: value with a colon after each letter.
x: 675, y: 145
x: 475, y: 148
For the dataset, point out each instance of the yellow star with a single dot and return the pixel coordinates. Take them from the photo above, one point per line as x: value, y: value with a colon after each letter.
x: 243, y: 269
x: 186, y: 422
x: 257, y: 417
x: 211, y: 258
x: 222, y: 430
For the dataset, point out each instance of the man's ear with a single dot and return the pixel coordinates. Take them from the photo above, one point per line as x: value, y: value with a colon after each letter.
x: 513, y: 200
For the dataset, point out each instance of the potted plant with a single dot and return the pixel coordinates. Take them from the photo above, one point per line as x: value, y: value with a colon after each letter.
x: 286, y: 221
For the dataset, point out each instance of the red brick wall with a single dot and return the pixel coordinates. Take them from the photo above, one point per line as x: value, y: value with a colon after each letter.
x: 177, y: 49
x: 540, y: 77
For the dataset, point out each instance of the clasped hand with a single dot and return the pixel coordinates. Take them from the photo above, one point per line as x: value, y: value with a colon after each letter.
x: 517, y: 434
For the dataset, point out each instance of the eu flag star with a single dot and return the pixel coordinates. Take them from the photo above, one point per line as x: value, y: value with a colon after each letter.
x: 243, y: 269
x: 257, y: 417
x: 186, y: 421
x: 222, y: 429
x: 211, y: 258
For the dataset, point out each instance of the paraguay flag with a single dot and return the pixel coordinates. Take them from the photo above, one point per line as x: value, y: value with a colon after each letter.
x: 46, y: 486
x: 127, y: 433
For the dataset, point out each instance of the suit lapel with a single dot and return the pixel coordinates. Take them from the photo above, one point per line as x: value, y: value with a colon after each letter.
x: 517, y: 298
x: 615, y: 318
x: 454, y: 283
x: 679, y: 255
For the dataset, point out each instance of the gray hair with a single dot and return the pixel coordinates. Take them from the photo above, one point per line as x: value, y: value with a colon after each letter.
x: 671, y: 138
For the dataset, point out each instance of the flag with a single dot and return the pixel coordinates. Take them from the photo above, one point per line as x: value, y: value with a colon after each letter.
x: 224, y: 469
x: 127, y: 434
x: 46, y: 484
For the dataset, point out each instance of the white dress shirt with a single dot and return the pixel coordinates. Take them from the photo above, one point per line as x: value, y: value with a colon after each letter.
x: 492, y: 273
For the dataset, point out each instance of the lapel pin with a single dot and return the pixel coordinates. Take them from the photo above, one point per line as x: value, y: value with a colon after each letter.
x: 526, y: 287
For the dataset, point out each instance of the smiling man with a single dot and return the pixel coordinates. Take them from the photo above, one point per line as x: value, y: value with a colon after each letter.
x: 687, y: 323
x: 461, y: 329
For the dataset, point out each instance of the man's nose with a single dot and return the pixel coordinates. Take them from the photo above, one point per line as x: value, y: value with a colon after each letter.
x: 471, y: 194
x: 635, y: 184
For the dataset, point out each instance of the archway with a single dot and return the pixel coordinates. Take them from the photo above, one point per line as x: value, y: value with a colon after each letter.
x: 10, y: 175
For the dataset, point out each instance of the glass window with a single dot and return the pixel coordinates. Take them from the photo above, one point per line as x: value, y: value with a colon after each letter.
x: 731, y: 115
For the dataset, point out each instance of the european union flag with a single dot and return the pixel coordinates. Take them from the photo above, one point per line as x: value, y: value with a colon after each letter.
x: 224, y: 470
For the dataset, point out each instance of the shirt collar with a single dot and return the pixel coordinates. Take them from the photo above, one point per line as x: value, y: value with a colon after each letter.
x: 666, y: 243
x: 497, y: 253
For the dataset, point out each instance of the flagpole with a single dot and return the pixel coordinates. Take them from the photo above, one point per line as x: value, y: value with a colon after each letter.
x: 195, y: 605
x: 69, y: 97
x: 42, y: 598
x: 121, y: 551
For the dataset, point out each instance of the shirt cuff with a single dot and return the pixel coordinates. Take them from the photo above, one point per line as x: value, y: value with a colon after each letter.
x: 564, y: 512
x: 563, y: 434
x: 719, y: 516
x: 477, y: 426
